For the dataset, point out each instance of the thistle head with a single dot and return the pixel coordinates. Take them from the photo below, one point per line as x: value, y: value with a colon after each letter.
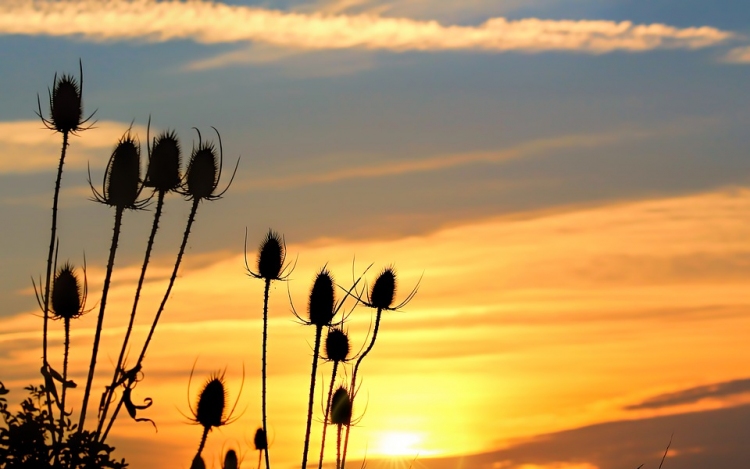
x: 230, y: 460
x: 341, y: 407
x: 322, y: 300
x: 212, y: 403
x: 67, y: 298
x: 164, y: 163
x: 122, y: 179
x: 271, y: 256
x: 260, y: 442
x: 383, y: 290
x: 66, y: 105
x: 337, y: 345
x: 202, y: 172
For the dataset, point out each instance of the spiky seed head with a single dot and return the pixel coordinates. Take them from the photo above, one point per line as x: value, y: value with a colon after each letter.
x: 198, y: 462
x: 211, y: 403
x: 230, y: 460
x: 65, y: 103
x: 122, y: 184
x: 341, y: 407
x: 164, y: 163
x: 271, y: 256
x: 203, y: 172
x: 384, y: 289
x: 66, y: 293
x: 322, y: 299
x: 337, y: 345
x: 261, y: 444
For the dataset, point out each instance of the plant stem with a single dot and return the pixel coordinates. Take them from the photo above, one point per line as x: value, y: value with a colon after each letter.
x: 318, y: 333
x: 338, y: 446
x: 328, y: 413
x: 48, y: 277
x: 100, y: 319
x: 64, y: 375
x: 186, y: 234
x: 265, y: 364
x: 203, y: 441
x: 119, y: 368
x: 354, y: 379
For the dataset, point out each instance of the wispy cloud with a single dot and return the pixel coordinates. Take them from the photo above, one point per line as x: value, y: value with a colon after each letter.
x: 27, y: 147
x: 738, y: 55
x: 696, y: 394
x: 214, y: 22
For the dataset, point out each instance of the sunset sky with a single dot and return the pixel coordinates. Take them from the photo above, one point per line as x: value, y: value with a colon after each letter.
x: 570, y: 180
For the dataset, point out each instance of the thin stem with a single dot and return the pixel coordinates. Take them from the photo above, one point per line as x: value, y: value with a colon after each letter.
x: 48, y: 277
x: 318, y: 333
x: 118, y: 369
x: 186, y: 234
x: 203, y: 441
x: 265, y: 364
x: 260, y: 454
x: 354, y: 379
x: 328, y: 413
x: 64, y: 375
x: 338, y: 446
x: 100, y: 319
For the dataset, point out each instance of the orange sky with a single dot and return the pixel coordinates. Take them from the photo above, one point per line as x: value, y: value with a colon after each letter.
x: 522, y: 326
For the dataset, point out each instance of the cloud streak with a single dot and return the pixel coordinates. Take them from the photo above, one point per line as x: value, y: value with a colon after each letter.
x: 696, y: 394
x: 214, y: 23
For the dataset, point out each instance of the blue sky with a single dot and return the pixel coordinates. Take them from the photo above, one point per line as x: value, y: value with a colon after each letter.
x: 369, y: 120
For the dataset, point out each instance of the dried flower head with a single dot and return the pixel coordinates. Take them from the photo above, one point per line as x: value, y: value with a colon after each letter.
x: 122, y: 178
x: 164, y: 163
x: 272, y: 254
x: 322, y: 299
x: 65, y: 103
x: 384, y: 289
x: 260, y: 441
x: 230, y: 460
x: 337, y: 345
x: 211, y: 409
x: 341, y: 407
x: 204, y: 171
x: 68, y: 299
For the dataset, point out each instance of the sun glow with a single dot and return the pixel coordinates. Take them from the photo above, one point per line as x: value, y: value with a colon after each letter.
x: 399, y: 444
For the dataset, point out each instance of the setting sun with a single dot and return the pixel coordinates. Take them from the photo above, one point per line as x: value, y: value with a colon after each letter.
x: 399, y: 444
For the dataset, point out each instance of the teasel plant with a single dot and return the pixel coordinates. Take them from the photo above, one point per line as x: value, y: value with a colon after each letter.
x: 121, y: 189
x: 381, y: 298
x: 321, y: 309
x: 68, y: 302
x: 66, y: 117
x: 337, y: 350
x: 211, y: 408
x: 271, y: 265
x: 341, y: 416
x: 201, y: 182
x: 260, y: 442
x: 163, y: 176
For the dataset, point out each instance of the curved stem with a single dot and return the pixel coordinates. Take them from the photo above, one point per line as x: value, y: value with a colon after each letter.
x: 265, y: 364
x: 118, y: 369
x: 100, y: 319
x: 203, y: 441
x: 328, y: 413
x: 354, y: 379
x: 186, y: 234
x: 48, y: 276
x: 318, y: 333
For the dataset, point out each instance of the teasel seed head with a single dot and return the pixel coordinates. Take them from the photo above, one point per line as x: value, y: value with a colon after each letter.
x: 211, y: 403
x: 230, y: 460
x: 122, y: 178
x: 260, y: 442
x: 67, y: 299
x: 164, y: 163
x: 66, y: 110
x: 341, y: 407
x: 337, y: 345
x: 271, y: 256
x: 384, y: 289
x: 198, y: 462
x: 322, y: 299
